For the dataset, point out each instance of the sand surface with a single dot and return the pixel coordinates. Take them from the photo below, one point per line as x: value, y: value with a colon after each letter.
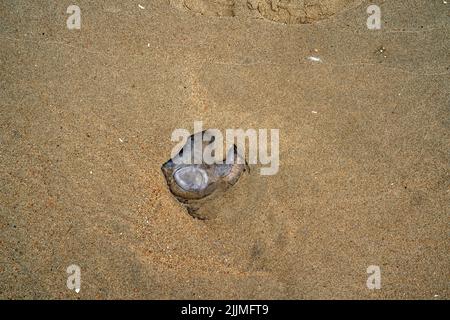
x: 85, y: 123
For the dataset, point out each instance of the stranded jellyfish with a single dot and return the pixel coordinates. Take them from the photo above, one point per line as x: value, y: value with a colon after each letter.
x: 194, y: 180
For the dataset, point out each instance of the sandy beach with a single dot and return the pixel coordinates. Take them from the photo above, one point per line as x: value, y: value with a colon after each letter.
x: 86, y: 117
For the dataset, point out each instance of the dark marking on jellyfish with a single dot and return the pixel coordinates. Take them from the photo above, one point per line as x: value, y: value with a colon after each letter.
x: 194, y: 184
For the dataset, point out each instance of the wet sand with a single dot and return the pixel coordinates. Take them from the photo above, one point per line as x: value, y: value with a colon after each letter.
x: 86, y: 118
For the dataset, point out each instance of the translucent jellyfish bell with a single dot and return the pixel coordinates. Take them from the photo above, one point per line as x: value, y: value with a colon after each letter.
x: 191, y: 178
x: 194, y: 184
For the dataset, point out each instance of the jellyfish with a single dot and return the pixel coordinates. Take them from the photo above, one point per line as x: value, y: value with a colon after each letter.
x: 193, y: 184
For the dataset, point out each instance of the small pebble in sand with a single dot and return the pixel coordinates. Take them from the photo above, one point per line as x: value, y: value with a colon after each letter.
x: 382, y: 50
x: 121, y: 140
x: 314, y: 59
x: 141, y: 7
x: 314, y: 112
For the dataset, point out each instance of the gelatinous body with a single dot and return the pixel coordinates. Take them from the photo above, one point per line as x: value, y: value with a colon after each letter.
x: 194, y: 183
